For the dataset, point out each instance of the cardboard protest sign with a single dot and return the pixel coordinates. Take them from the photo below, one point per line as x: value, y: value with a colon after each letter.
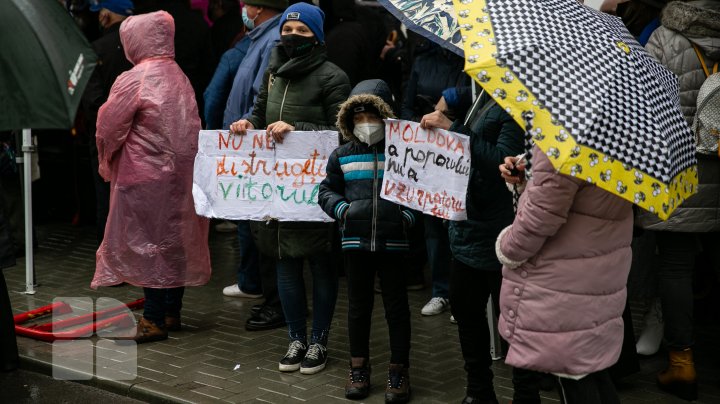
x: 426, y: 169
x: 252, y: 178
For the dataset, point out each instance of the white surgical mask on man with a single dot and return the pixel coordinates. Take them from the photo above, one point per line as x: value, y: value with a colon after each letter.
x: 369, y: 133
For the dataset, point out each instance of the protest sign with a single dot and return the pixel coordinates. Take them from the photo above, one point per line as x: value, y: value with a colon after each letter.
x: 426, y: 169
x: 251, y: 177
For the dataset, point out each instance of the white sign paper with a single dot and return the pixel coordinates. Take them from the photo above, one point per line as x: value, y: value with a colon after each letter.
x: 252, y: 178
x: 426, y: 169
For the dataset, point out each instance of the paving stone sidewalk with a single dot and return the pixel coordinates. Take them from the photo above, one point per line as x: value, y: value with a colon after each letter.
x: 214, y: 359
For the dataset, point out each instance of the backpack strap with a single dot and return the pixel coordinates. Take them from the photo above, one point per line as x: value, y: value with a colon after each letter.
x: 702, y: 62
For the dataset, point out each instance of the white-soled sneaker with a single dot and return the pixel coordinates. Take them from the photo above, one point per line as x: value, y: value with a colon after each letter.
x: 435, y: 306
x: 315, y: 359
x: 294, y: 356
x: 235, y: 291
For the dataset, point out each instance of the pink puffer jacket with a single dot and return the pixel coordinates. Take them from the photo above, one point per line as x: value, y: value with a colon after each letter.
x: 566, y: 260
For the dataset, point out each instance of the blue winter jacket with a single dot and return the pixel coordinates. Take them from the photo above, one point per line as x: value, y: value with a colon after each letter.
x: 248, y: 78
x: 216, y: 93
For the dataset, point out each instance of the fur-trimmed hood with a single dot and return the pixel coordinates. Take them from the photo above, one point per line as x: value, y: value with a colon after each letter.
x: 374, y: 93
x: 694, y: 19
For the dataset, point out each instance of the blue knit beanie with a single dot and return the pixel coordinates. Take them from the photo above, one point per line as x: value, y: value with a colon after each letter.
x: 307, y: 14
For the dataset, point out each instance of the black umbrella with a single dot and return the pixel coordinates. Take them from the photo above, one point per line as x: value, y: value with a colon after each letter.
x: 45, y: 63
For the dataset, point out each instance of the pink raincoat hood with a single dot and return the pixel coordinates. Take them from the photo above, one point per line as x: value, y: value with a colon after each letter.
x: 148, y: 36
x: 147, y: 135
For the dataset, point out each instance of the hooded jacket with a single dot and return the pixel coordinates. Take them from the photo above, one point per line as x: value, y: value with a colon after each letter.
x: 685, y: 24
x: 147, y: 136
x: 305, y: 92
x: 351, y: 191
x: 566, y: 261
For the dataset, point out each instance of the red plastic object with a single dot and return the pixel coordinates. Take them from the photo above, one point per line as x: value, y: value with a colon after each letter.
x: 98, y: 321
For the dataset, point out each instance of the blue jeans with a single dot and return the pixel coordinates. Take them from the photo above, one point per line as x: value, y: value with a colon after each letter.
x: 162, y: 302
x: 248, y: 271
x: 291, y: 287
x: 438, y: 251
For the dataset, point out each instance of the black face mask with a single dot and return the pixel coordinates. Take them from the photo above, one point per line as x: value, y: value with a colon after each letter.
x: 297, y: 45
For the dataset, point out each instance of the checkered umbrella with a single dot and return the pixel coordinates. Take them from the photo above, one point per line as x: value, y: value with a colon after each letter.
x: 587, y: 93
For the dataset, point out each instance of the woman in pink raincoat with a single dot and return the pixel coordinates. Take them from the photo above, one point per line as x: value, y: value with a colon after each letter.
x: 147, y: 134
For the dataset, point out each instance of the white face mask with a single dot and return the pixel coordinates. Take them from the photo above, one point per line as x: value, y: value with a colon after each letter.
x: 369, y: 133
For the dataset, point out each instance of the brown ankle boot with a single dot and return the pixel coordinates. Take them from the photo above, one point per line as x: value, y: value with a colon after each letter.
x: 398, y: 384
x: 357, y: 386
x: 679, y: 378
x: 147, y: 331
x: 173, y: 323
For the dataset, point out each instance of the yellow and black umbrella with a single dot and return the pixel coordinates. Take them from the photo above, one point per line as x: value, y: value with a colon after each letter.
x: 587, y: 93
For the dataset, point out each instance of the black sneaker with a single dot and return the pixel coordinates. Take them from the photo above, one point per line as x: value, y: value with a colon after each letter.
x: 315, y: 359
x: 295, y: 354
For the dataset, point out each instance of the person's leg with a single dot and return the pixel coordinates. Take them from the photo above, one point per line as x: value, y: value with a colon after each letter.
x: 270, y: 315
x: 360, y: 272
x: 416, y: 258
x: 154, y: 309
x: 526, y: 386
x: 677, y: 253
x: 173, y: 301
x: 397, y: 316
x: 439, y: 255
x: 9, y: 358
x: 325, y: 291
x: 395, y: 300
x: 291, y: 289
x: 268, y: 275
x: 248, y: 271
x: 628, y: 362
x: 469, y: 292
x: 595, y: 388
x: 325, y: 288
x: 102, y: 195
x: 151, y: 327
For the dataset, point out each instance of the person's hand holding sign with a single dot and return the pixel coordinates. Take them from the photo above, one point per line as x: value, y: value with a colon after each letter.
x: 241, y: 127
x: 278, y: 130
x: 435, y: 119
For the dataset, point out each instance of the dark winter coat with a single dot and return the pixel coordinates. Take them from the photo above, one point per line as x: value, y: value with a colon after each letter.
x: 347, y: 43
x: 224, y: 31
x: 193, y: 45
x: 351, y: 191
x: 305, y: 92
x: 433, y: 70
x: 111, y: 63
x: 494, y: 135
